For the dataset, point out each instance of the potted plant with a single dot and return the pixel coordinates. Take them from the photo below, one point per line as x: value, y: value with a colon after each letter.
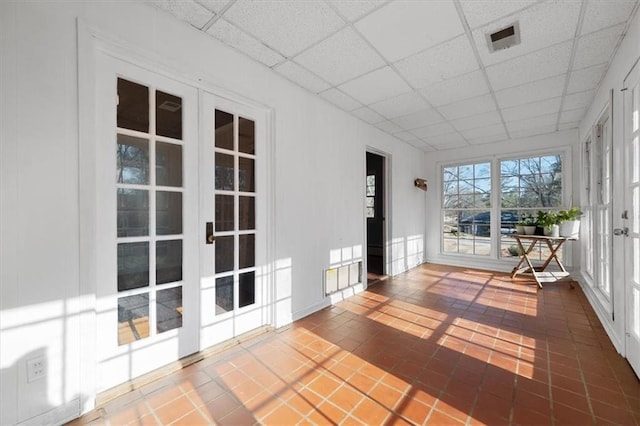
x: 549, y: 222
x: 528, y: 224
x: 569, y: 221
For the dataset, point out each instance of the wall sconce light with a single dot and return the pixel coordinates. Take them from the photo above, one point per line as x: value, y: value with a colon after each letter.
x: 420, y: 183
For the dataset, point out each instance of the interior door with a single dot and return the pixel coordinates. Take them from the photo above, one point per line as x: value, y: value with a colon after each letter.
x: 631, y: 220
x: 375, y: 199
x: 234, y: 273
x: 147, y: 211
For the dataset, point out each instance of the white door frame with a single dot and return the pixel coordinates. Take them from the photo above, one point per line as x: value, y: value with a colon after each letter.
x: 387, y: 266
x: 91, y: 41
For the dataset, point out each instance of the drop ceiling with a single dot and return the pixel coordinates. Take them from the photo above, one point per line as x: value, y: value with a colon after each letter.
x: 422, y: 71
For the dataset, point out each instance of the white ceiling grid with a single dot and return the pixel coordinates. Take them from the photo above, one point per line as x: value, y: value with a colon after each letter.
x: 422, y: 70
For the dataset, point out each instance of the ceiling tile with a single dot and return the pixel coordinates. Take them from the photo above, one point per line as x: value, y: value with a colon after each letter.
x: 467, y: 107
x: 288, y: 26
x: 494, y: 130
x: 341, y: 57
x: 448, y: 141
x: 541, y: 130
x: 456, y: 89
x: 572, y: 115
x: 398, y: 106
x: 585, y: 79
x: 597, y: 48
x: 541, y: 25
x: 302, y: 77
x: 422, y: 145
x: 354, y: 9
x: 368, y: 115
x: 481, y: 140
x: 480, y: 12
x: 388, y: 126
x: 578, y: 100
x: 231, y: 35
x: 405, y: 136
x: 475, y: 121
x: 531, y: 92
x: 186, y: 10
x: 433, y: 130
x: 340, y: 99
x: 605, y: 13
x: 376, y: 86
x: 449, y: 59
x: 214, y: 5
x: 534, y: 66
x: 404, y: 27
x: 532, y: 109
x: 418, y: 119
x: 532, y: 122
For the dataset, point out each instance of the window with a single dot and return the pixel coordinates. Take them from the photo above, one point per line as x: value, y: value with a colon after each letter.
x: 528, y: 185
x: 598, y: 206
x: 466, y: 204
x: 480, y: 210
x: 371, y: 196
x: 587, y: 210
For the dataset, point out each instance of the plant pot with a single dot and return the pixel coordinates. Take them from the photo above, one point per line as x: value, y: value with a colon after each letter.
x: 529, y: 230
x: 570, y: 229
x: 519, y: 229
x: 552, y: 231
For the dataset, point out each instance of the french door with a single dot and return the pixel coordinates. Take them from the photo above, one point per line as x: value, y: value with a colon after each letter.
x: 147, y: 217
x: 631, y: 218
x: 233, y: 201
x: 181, y: 213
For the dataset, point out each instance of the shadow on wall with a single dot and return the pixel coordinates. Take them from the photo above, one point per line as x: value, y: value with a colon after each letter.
x: 406, y: 253
x: 29, y: 374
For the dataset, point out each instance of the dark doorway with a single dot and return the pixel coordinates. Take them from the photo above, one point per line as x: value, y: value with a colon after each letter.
x: 375, y: 211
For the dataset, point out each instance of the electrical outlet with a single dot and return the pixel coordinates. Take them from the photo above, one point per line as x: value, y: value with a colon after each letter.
x: 36, y: 369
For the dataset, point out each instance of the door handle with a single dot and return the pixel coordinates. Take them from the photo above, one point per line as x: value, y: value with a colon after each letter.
x: 210, y: 238
x: 621, y: 231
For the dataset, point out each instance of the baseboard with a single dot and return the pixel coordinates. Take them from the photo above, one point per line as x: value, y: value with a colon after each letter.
x: 59, y: 415
x: 603, y: 315
x: 311, y: 309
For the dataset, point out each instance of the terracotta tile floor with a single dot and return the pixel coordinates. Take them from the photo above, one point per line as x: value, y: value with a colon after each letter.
x: 437, y: 345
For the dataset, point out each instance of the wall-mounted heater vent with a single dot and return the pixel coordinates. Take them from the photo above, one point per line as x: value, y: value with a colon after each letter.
x: 504, y: 38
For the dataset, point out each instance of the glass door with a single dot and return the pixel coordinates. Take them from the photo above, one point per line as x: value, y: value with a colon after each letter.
x: 147, y: 213
x: 631, y: 218
x: 234, y: 220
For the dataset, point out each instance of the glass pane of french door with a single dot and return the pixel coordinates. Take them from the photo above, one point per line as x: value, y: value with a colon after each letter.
x: 149, y: 211
x: 234, y: 193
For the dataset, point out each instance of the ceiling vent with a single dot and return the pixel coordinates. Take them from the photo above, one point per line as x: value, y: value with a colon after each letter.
x: 504, y: 38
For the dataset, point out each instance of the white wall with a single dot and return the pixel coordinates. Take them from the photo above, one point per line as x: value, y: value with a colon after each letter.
x: 319, y: 185
x: 564, y: 142
x: 627, y: 55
